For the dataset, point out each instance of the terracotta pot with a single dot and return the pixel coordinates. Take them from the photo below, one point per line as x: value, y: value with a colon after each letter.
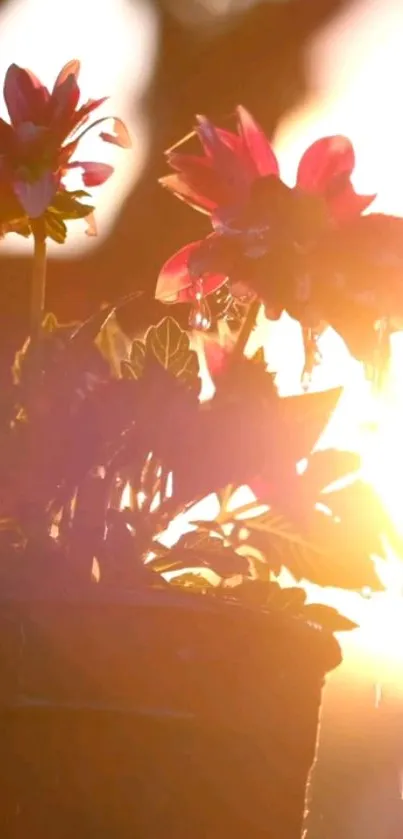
x: 157, y: 714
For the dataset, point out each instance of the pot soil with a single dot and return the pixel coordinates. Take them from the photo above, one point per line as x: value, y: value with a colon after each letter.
x: 156, y: 715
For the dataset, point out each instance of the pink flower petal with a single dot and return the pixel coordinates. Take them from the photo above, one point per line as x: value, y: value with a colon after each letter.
x: 6, y: 136
x: 257, y: 144
x: 323, y: 161
x: 94, y: 174
x: 217, y: 354
x: 226, y: 162
x: 35, y: 197
x: 63, y: 103
x: 82, y: 114
x: 175, y: 284
x: 179, y: 187
x: 24, y: 95
x: 197, y: 173
x: 72, y: 68
x: 347, y: 204
x: 188, y: 164
x: 232, y: 140
x: 174, y: 277
x: 67, y: 151
x: 120, y: 136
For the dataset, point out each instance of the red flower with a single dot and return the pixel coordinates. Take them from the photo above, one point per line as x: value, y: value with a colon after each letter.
x: 252, y: 212
x: 37, y: 145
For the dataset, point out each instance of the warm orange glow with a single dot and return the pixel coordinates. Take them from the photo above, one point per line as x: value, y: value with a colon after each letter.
x: 353, y: 67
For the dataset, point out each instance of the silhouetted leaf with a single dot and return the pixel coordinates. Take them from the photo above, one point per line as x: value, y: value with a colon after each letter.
x: 290, y: 598
x: 66, y: 206
x: 126, y: 370
x: 87, y: 332
x: 199, y: 549
x: 137, y: 357
x: 327, y: 466
x: 170, y: 345
x: 325, y: 555
x: 304, y: 418
x: 55, y: 228
x: 259, y: 358
x: 328, y: 617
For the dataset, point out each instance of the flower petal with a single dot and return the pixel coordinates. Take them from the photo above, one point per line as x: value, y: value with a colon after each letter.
x: 63, y: 103
x: 94, y: 174
x: 24, y: 95
x: 6, y: 136
x: 120, y: 136
x: 226, y: 162
x: 72, y: 68
x: 346, y: 205
x: 212, y: 186
x: 35, y: 197
x: 257, y: 144
x: 182, y: 189
x: 174, y: 277
x: 85, y: 110
x: 176, y: 284
x: 217, y: 353
x: 323, y: 161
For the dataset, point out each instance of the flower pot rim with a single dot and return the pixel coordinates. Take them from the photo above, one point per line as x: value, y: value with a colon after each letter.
x: 167, y: 598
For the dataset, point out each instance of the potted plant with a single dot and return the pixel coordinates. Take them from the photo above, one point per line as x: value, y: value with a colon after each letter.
x: 158, y: 685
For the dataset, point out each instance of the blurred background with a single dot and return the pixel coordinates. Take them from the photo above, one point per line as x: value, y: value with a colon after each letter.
x: 304, y: 68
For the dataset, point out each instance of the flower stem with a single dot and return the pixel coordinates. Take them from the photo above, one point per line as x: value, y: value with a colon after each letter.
x: 37, y: 312
x: 246, y: 329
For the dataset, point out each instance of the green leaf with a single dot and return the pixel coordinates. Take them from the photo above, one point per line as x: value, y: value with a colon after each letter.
x: 137, y: 358
x: 170, y: 345
x: 328, y: 617
x: 66, y: 205
x: 55, y: 228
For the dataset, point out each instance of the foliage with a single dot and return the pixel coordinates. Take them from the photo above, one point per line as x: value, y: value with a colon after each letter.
x: 116, y: 444
x: 105, y: 441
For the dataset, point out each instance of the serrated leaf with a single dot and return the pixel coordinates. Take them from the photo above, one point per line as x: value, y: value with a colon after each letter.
x: 259, y: 357
x: 202, y: 535
x: 126, y: 370
x: 323, y: 557
x: 137, y: 357
x: 170, y: 345
x: 67, y: 206
x: 199, y: 549
x: 328, y: 617
x: 55, y: 228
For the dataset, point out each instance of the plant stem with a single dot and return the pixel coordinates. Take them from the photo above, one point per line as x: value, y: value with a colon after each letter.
x: 38, y: 288
x: 246, y: 329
